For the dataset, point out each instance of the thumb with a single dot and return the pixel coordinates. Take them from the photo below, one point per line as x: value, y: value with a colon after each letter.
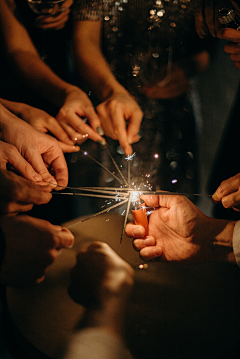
x: 23, y: 167
x: 229, y: 34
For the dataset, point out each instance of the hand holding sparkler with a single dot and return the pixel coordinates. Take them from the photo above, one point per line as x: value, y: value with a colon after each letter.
x: 229, y: 193
x: 42, y: 122
x: 18, y: 194
x: 41, y: 151
x: 114, y: 112
x: 179, y: 231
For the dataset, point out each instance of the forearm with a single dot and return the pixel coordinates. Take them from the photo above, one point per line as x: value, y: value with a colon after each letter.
x: 23, y: 57
x: 90, y: 62
x: 17, y: 108
x: 39, y: 77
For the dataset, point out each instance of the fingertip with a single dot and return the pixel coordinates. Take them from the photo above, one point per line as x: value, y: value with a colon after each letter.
x: 37, y: 178
x: 100, y: 131
x: 128, y: 150
x: 157, y: 251
x: 215, y: 198
x: 76, y: 148
x: 138, y: 231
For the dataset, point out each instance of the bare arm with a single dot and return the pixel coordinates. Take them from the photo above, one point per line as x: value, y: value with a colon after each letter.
x: 28, y: 65
x: 21, y: 51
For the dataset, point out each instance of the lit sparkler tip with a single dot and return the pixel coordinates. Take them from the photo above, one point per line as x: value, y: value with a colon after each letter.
x: 130, y: 157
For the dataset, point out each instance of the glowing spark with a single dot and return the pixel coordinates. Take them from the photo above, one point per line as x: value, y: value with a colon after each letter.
x: 130, y: 157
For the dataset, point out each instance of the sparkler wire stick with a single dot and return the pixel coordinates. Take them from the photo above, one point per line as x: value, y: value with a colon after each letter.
x: 116, y: 193
x: 89, y: 195
x: 97, y: 214
x: 169, y: 193
x: 115, y: 164
x: 116, y: 189
x: 126, y: 215
x: 129, y: 173
x: 86, y: 154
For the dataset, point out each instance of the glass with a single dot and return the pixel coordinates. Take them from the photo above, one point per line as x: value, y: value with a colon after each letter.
x: 47, y: 8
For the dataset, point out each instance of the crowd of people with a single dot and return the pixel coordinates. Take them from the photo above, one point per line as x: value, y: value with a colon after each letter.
x: 139, y: 66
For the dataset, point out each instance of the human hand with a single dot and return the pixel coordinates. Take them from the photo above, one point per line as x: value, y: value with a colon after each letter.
x: 100, y: 275
x: 31, y: 246
x: 206, y: 17
x: 114, y: 112
x: 76, y: 107
x: 41, y: 151
x: 233, y: 46
x: 45, y: 123
x: 18, y: 194
x: 180, y: 232
x: 229, y: 193
x: 57, y: 20
x: 175, y: 84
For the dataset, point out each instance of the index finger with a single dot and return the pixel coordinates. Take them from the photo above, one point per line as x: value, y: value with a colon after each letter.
x: 227, y: 187
x: 60, y: 169
x: 119, y: 127
x: 134, y: 126
x: 211, y: 17
x: 152, y: 200
x: 229, y: 34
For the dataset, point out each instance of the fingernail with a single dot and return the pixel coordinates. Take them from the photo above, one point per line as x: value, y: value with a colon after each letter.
x: 157, y: 252
x: 138, y: 231
x: 76, y: 148
x: 148, y: 241
x: 225, y: 203
x: 37, y: 178
x: 100, y: 131
x: 102, y: 143
x: 51, y: 181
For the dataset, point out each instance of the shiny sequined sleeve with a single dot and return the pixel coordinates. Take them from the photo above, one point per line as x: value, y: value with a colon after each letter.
x: 87, y: 10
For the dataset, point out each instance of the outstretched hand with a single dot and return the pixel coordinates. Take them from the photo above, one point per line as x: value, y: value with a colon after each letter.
x: 229, y: 193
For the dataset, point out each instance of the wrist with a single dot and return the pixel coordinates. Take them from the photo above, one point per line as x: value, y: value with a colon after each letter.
x: 112, y: 91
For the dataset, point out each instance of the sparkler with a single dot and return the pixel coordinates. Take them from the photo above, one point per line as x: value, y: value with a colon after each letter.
x: 125, y: 194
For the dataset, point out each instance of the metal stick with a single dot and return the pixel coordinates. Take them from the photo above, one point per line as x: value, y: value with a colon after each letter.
x: 126, y: 216
x: 115, y: 164
x: 88, y: 195
x: 97, y: 214
x: 86, y: 154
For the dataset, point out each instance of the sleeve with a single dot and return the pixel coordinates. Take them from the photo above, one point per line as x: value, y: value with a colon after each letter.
x: 87, y: 10
x: 236, y: 242
x: 96, y: 343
